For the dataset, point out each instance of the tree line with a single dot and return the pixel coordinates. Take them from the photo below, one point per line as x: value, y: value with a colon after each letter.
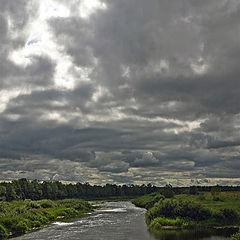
x: 54, y: 190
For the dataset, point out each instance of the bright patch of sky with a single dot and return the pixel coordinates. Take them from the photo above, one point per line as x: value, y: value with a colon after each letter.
x: 41, y: 42
x: 88, y: 7
x: 7, y: 95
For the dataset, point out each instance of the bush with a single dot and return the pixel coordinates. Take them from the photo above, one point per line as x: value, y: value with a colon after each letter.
x: 21, y: 227
x: 159, y: 222
x: 20, y: 216
x: 33, y: 204
x: 9, y: 223
x: 229, y: 215
x: 201, y: 197
x: 168, y: 192
x: 36, y: 224
x: 193, y: 211
x: 3, y: 232
x: 193, y: 190
x: 47, y: 203
x: 48, y: 214
x: 226, y: 216
x: 148, y: 201
x: 217, y: 199
x: 170, y: 208
x: 236, y: 236
x: 77, y: 204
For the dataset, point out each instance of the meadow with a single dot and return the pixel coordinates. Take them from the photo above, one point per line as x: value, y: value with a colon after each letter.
x: 186, y: 211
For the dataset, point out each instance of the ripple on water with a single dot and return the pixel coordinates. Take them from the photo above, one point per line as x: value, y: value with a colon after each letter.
x: 63, y: 223
x: 114, y: 210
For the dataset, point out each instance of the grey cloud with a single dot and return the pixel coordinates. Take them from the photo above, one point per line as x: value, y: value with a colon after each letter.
x: 15, y: 17
x: 161, y: 101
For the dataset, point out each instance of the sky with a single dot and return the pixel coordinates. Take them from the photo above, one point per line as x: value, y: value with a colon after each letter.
x: 120, y: 91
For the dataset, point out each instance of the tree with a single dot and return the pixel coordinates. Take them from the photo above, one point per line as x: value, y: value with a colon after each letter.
x: 215, y: 191
x: 3, y: 192
x: 193, y: 190
x: 10, y: 193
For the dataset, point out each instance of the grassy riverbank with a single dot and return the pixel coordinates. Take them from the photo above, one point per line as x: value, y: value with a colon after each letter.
x: 19, y: 217
x: 187, y: 211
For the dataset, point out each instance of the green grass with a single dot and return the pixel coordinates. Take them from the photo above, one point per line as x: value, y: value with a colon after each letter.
x: 222, y: 200
x: 186, y: 210
x: 161, y: 222
x: 236, y: 236
x: 147, y: 201
x: 19, y: 217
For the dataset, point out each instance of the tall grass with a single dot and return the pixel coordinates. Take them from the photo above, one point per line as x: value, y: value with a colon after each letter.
x: 18, y: 217
x: 188, y: 210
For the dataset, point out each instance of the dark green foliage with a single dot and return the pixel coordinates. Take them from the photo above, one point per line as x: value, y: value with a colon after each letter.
x: 46, y: 203
x: 36, y: 190
x: 168, y: 191
x: 159, y: 222
x: 193, y: 190
x: 77, y: 204
x: 3, y: 232
x: 201, y: 197
x: 3, y: 192
x: 9, y: 223
x: 10, y: 193
x: 229, y: 215
x: 215, y: 191
x: 177, y: 212
x: 165, y: 208
x: 193, y: 211
x: 226, y: 216
x: 32, y: 204
x: 236, y: 236
x: 35, y: 214
x: 21, y: 227
x: 147, y: 201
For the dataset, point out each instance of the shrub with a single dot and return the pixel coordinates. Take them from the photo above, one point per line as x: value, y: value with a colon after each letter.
x: 3, y: 232
x: 170, y: 208
x: 193, y: 190
x: 217, y: 199
x: 168, y: 192
x: 77, y: 204
x: 47, y: 203
x: 159, y: 222
x: 9, y: 223
x: 192, y: 211
x: 148, y: 201
x: 201, y: 197
x: 33, y: 204
x: 236, y: 236
x: 36, y: 224
x: 21, y: 227
x: 48, y: 214
x: 229, y: 215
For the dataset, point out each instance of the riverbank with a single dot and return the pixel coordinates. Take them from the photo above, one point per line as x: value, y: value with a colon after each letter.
x: 19, y: 217
x: 186, y: 211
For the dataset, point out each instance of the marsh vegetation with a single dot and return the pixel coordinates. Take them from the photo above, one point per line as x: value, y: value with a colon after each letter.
x: 193, y: 210
x: 19, y: 217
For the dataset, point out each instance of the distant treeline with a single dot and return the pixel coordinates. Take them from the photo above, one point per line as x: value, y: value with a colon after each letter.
x: 37, y: 190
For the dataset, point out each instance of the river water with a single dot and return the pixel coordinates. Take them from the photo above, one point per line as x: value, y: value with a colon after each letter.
x: 115, y: 221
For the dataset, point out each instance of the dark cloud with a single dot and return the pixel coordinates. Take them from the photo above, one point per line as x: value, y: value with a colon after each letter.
x: 151, y: 92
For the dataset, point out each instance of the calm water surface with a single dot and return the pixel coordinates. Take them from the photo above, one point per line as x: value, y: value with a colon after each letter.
x: 116, y: 221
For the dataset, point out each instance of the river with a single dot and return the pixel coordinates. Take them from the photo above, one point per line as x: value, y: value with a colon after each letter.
x: 115, y: 221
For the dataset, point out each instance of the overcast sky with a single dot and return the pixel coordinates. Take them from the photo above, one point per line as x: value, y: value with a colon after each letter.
x: 120, y: 91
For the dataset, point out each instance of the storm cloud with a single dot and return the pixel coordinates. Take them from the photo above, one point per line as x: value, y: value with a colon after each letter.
x: 120, y: 91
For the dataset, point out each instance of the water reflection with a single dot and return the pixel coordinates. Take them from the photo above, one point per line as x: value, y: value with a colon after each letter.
x: 197, y: 234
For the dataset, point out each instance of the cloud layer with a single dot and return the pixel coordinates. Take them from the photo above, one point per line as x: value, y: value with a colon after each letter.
x: 120, y: 91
